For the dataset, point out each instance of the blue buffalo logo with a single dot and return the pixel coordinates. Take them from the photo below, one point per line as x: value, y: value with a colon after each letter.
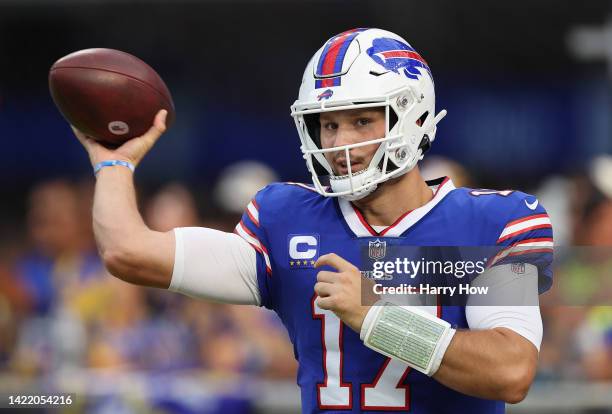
x: 325, y: 94
x: 397, y: 56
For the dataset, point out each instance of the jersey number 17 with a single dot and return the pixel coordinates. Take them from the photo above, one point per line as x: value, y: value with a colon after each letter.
x: 386, y: 392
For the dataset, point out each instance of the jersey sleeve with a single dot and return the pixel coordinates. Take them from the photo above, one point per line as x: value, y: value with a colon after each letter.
x: 511, y: 302
x: 214, y: 265
x: 252, y: 229
x: 527, y: 237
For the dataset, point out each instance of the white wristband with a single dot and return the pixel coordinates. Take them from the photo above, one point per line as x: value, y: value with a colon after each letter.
x: 407, y: 333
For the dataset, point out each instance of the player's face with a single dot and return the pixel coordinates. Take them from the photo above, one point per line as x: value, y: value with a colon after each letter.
x: 351, y: 127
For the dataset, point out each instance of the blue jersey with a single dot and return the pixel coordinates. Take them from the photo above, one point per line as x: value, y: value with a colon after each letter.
x: 290, y: 225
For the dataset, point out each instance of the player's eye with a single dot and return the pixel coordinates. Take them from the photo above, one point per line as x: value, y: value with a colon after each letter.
x: 364, y: 121
x: 330, y: 125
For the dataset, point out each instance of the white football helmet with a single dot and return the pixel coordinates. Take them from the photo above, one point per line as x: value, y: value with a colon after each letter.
x: 363, y: 68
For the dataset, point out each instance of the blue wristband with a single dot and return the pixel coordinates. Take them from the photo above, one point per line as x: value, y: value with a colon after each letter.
x: 110, y: 163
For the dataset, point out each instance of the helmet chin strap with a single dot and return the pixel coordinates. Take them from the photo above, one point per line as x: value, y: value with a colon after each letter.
x: 363, y: 181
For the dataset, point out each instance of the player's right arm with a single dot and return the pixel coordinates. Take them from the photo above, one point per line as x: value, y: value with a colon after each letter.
x: 130, y: 250
x: 199, y: 262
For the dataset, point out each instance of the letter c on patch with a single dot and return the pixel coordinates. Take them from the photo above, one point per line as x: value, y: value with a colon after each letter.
x: 302, y: 247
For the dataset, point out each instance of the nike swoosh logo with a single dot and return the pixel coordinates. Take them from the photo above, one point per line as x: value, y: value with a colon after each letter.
x: 532, y: 206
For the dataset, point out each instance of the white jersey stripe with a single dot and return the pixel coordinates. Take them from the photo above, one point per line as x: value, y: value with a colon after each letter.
x: 350, y: 216
x: 528, y: 246
x: 243, y: 232
x: 535, y: 244
x: 518, y: 228
x: 253, y: 213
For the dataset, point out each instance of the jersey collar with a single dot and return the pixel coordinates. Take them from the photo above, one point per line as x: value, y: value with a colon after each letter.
x: 356, y: 222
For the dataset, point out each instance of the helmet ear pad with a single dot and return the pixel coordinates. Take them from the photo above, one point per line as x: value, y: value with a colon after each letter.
x: 393, y: 119
x: 314, y: 130
x: 424, y: 143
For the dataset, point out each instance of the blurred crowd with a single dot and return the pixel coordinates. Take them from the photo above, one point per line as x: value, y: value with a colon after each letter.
x: 61, y: 311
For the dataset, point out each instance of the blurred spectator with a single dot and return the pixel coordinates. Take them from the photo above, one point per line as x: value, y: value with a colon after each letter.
x: 13, y: 302
x: 555, y: 196
x: 595, y: 345
x: 59, y: 260
x: 600, y: 171
x: 60, y: 250
x: 239, y: 182
x: 172, y: 206
x: 597, y: 217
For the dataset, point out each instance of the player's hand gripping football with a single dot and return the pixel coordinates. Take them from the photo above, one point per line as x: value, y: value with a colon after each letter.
x: 341, y: 291
x: 132, y: 151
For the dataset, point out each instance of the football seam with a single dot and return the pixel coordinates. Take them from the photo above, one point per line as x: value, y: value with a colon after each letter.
x: 170, y: 104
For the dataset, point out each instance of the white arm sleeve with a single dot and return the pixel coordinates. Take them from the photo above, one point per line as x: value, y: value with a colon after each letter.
x: 214, y: 265
x: 523, y: 317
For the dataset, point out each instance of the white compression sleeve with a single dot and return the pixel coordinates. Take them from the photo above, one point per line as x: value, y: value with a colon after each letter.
x: 522, y: 314
x: 214, y: 265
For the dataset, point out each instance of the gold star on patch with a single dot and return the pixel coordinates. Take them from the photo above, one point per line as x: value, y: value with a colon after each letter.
x: 291, y: 263
x: 312, y: 262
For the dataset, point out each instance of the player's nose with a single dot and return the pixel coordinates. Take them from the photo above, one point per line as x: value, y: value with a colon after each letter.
x: 344, y: 136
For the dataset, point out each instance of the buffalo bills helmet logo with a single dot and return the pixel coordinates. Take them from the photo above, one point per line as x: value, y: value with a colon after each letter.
x: 396, y: 56
x: 325, y: 94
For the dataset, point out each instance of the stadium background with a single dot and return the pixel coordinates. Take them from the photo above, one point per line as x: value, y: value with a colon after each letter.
x: 528, y: 89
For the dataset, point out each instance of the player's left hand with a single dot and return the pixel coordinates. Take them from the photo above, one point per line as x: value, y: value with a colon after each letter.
x: 340, y: 291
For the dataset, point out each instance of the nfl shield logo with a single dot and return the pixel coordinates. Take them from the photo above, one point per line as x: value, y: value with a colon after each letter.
x: 377, y: 249
x: 518, y: 268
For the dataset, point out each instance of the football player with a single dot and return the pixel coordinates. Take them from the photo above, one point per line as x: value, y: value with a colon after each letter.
x: 365, y: 116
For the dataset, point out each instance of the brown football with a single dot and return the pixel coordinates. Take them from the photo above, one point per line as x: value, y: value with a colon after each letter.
x: 108, y: 94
